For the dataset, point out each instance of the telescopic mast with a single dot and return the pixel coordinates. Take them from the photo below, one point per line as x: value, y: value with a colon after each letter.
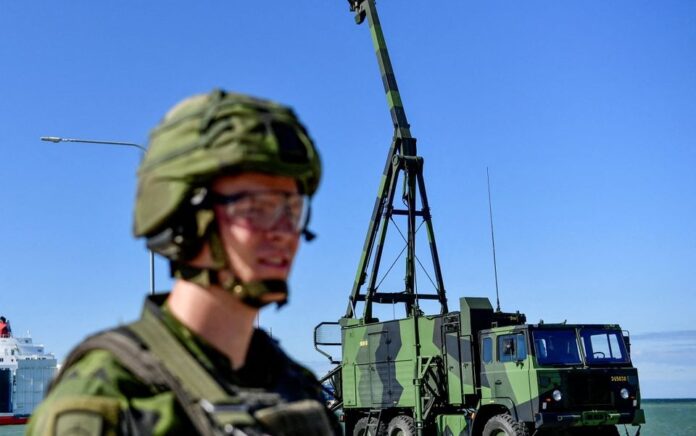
x: 402, y: 158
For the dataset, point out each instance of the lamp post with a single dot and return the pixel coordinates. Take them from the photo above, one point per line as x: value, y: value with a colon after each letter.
x: 57, y: 139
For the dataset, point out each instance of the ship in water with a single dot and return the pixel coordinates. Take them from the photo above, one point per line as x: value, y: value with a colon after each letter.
x: 26, y: 369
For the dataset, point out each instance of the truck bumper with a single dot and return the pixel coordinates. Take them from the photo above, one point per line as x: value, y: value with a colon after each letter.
x: 588, y: 418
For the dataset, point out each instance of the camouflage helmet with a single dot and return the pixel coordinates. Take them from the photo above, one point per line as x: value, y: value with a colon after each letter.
x: 207, y: 136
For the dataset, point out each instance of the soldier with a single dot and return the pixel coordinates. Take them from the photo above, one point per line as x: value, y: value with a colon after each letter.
x: 223, y: 193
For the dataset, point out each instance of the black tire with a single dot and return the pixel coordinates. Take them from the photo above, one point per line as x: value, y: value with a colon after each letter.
x: 504, y: 425
x: 401, y: 425
x: 362, y: 428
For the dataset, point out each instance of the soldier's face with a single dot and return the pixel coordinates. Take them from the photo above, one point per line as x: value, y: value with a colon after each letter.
x: 255, y: 253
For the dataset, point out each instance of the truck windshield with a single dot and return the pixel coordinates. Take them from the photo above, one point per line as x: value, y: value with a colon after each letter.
x: 556, y: 347
x: 603, y: 346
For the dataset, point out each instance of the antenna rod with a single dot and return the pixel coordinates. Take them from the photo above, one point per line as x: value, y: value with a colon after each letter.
x: 495, y: 263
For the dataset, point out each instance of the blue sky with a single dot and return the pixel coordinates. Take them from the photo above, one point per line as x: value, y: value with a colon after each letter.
x: 583, y: 111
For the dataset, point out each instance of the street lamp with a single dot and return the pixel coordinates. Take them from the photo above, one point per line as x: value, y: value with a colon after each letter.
x: 57, y: 139
x: 92, y: 141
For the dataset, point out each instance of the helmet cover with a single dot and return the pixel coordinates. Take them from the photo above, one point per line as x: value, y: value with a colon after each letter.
x: 207, y: 136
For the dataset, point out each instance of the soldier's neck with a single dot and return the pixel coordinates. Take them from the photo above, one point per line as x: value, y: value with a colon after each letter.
x: 216, y: 316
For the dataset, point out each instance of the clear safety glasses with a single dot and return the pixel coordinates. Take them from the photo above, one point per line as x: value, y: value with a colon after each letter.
x: 266, y: 210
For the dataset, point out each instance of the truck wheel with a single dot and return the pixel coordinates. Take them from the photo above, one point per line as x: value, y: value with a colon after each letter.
x: 401, y: 425
x: 363, y: 429
x: 504, y: 425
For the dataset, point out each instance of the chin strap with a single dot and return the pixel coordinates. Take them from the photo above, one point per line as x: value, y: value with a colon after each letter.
x: 251, y: 293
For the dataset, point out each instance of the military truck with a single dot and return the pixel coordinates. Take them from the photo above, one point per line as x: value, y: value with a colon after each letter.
x: 483, y: 372
x: 476, y: 371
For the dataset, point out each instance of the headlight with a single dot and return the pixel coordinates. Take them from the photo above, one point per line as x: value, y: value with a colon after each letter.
x: 624, y: 393
x: 557, y: 395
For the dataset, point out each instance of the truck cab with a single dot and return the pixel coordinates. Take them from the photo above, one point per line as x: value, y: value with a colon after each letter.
x: 559, y: 376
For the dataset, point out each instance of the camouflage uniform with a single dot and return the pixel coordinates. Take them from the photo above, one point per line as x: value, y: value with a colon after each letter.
x: 98, y: 396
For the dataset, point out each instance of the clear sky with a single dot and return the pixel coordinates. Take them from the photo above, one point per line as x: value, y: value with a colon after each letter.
x: 585, y: 113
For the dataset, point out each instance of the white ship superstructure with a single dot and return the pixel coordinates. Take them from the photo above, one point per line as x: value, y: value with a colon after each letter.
x: 26, y: 369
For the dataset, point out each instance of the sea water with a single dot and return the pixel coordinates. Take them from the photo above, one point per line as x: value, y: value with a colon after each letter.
x: 669, y: 418
x: 12, y: 430
x: 664, y: 418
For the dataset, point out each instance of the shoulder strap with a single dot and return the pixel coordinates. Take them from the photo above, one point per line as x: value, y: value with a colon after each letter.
x: 202, y: 392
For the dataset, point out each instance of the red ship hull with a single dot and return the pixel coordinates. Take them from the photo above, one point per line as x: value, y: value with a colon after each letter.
x: 13, y: 420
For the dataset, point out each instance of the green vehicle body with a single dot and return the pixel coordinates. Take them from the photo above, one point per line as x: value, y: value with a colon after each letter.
x: 473, y: 371
x: 477, y: 363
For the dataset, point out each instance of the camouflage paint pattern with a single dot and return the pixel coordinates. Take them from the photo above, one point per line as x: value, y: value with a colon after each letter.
x: 452, y: 425
x: 379, y: 365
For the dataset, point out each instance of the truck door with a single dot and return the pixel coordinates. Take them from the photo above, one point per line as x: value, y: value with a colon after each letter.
x: 508, y: 373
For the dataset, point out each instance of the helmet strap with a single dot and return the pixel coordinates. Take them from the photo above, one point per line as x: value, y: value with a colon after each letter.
x: 204, y: 277
x: 251, y: 293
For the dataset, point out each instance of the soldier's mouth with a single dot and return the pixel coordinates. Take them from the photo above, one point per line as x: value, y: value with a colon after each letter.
x: 274, y: 262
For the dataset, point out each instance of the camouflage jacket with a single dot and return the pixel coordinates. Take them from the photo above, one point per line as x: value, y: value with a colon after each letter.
x: 97, y: 395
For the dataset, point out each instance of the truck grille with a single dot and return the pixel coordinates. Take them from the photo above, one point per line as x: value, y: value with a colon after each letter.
x: 589, y: 390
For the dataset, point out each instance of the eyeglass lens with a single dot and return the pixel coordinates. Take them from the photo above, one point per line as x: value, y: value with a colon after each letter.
x: 268, y: 210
